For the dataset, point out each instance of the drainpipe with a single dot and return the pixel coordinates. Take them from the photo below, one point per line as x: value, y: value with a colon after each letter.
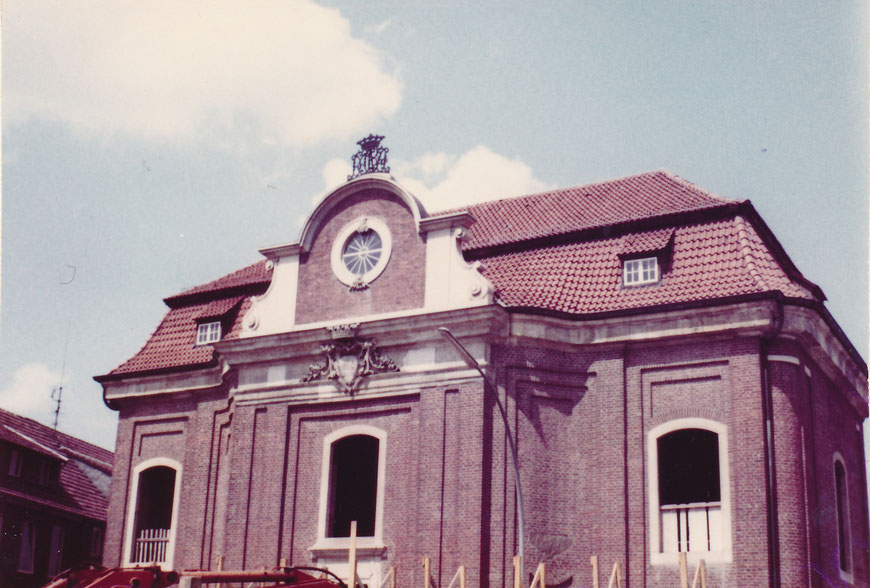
x: 769, y: 453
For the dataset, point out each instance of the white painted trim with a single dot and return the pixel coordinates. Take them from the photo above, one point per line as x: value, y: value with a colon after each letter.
x: 635, y: 265
x: 344, y: 275
x: 846, y: 575
x: 274, y: 311
x: 656, y: 557
x: 209, y: 332
x: 452, y: 282
x: 130, y: 521
x: 785, y: 359
x: 376, y: 181
x: 329, y: 393
x: 325, y: 543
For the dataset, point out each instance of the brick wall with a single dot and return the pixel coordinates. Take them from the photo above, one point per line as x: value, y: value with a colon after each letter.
x: 401, y: 286
x: 252, y: 473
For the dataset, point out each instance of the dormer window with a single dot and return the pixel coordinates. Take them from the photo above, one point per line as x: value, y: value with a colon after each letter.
x: 208, y: 333
x: 645, y: 256
x: 640, y: 271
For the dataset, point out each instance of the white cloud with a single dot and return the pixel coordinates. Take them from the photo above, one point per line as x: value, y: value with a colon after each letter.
x: 278, y: 71
x: 29, y: 392
x: 334, y: 173
x: 442, y: 181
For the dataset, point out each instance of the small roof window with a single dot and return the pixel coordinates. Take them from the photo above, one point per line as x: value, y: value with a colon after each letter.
x: 208, y: 333
x: 640, y: 271
x: 643, y: 256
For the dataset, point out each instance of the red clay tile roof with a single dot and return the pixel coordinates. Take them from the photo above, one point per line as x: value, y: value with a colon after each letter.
x: 219, y: 307
x: 648, y: 242
x: 721, y: 256
x: 644, y: 196
x: 254, y: 274
x: 710, y: 260
x: 85, y: 470
x: 173, y: 342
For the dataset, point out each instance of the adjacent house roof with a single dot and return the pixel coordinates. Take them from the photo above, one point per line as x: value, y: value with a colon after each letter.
x: 557, y: 251
x: 85, y: 469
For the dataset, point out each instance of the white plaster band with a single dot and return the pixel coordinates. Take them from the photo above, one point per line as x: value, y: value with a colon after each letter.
x: 784, y: 359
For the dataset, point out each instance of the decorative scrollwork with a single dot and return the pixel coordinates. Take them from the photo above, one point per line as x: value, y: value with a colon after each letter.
x: 349, y: 359
x: 371, y: 157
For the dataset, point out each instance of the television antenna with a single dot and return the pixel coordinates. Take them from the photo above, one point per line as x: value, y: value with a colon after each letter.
x: 57, y: 391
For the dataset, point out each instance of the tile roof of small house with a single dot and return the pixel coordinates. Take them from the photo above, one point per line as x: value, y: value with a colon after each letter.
x: 554, y: 251
x: 85, y: 469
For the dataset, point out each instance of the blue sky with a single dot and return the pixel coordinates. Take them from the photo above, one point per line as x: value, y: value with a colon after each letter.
x: 153, y: 146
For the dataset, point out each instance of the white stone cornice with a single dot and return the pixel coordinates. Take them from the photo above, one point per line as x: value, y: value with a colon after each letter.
x: 170, y: 383
x: 372, y: 181
x: 400, y: 329
x: 809, y: 329
x: 453, y: 220
x: 284, y: 250
x: 743, y: 318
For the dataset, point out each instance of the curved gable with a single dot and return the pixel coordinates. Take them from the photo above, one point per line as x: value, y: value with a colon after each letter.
x: 399, y: 284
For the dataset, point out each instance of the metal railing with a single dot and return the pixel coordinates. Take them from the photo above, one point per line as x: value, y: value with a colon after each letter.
x: 151, y: 545
x: 691, y: 527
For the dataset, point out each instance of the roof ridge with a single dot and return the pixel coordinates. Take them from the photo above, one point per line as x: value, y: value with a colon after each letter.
x: 58, y: 439
x: 35, y: 442
x: 561, y: 189
x: 745, y: 252
x: 693, y: 186
x: 203, y: 289
x: 89, y: 459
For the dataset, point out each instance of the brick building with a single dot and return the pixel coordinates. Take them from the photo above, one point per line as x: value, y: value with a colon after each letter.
x: 54, y: 491
x: 673, y: 381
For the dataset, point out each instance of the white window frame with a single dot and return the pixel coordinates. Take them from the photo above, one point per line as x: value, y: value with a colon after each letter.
x: 634, y: 272
x: 209, y: 332
x: 847, y: 574
x: 130, y: 523
x: 344, y: 275
x: 55, y: 553
x: 656, y: 556
x: 15, y: 459
x: 28, y: 530
x: 376, y: 541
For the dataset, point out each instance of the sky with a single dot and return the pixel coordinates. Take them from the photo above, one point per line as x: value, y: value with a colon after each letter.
x: 152, y: 146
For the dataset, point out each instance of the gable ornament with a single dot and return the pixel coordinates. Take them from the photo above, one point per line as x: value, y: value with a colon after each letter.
x: 348, y: 359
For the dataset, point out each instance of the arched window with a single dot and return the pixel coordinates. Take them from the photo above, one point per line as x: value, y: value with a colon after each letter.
x: 844, y: 533
x: 689, y: 510
x: 352, y: 485
x: 153, y: 512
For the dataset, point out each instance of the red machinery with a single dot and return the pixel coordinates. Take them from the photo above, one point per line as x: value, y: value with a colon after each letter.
x: 154, y: 577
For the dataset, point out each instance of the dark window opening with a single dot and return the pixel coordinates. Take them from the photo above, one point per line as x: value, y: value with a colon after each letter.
x: 153, y: 514
x: 353, y: 486
x: 156, y: 493
x: 843, y: 518
x: 688, y: 462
